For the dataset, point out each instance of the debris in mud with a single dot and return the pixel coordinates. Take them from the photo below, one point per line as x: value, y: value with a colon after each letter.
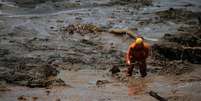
x: 34, y: 98
x: 22, y: 98
x: 101, y: 82
x: 155, y: 95
x: 115, y: 70
x: 82, y: 29
x: 47, y: 92
x: 122, y: 32
x: 121, y: 77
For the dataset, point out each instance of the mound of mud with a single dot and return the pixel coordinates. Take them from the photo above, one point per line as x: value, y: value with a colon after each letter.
x: 30, y: 72
x: 185, y: 39
x: 179, y: 47
x: 175, y: 52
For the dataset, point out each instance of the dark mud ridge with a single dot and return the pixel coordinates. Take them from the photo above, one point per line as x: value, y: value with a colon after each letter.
x: 178, y: 50
x: 182, y: 46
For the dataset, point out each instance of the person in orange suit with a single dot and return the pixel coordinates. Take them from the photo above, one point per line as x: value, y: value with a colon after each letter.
x: 137, y: 54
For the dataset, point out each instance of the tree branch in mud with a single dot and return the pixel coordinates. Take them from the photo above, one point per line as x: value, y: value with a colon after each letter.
x: 156, y: 96
x: 122, y: 32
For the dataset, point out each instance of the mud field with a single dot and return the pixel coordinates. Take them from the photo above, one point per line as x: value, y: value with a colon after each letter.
x: 67, y: 50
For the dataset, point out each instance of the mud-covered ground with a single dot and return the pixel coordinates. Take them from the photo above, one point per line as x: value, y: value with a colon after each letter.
x: 63, y: 50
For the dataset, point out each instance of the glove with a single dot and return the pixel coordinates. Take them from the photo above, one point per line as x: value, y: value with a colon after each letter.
x: 128, y: 62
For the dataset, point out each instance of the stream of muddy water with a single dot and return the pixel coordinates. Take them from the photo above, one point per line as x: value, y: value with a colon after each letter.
x: 39, y: 26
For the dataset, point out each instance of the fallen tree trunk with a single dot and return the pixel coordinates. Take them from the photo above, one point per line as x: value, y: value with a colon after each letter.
x: 122, y: 32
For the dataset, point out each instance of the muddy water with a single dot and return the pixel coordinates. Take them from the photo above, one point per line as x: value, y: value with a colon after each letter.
x: 81, y: 87
x: 45, y: 22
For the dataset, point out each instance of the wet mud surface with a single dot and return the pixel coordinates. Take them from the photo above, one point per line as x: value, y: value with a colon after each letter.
x: 64, y: 50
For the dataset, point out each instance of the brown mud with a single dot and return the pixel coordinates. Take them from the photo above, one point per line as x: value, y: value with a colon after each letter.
x: 63, y: 50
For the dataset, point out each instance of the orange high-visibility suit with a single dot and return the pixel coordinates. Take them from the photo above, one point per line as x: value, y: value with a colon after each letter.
x: 137, y: 53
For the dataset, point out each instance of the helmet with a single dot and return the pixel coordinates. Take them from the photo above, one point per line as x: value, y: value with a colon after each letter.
x: 139, y: 41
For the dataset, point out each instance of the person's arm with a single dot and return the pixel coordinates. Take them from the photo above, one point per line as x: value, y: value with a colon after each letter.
x: 128, y: 57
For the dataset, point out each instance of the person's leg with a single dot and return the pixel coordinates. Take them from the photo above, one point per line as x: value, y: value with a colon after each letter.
x: 143, y: 68
x: 130, y: 70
